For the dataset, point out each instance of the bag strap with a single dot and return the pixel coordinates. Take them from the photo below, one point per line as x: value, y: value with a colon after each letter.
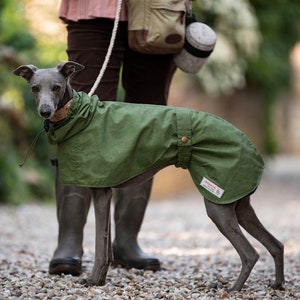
x: 190, y: 17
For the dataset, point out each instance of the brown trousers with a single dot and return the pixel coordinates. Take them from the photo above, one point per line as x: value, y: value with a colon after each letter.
x: 145, y: 78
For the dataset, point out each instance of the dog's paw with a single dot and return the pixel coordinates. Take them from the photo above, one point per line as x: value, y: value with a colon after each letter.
x: 277, y: 286
x: 90, y: 282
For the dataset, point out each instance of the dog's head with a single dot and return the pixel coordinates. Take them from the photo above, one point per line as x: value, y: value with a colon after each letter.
x: 49, y: 87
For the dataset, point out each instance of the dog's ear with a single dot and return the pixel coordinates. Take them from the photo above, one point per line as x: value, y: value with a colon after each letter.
x: 25, y: 71
x: 68, y: 68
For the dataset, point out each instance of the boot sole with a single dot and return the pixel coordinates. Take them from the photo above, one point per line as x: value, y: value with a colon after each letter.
x: 69, y: 265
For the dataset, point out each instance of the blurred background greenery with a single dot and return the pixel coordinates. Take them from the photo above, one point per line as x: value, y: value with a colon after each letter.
x: 252, y: 59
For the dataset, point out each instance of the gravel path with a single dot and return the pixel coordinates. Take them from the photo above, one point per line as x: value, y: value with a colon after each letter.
x: 198, y: 262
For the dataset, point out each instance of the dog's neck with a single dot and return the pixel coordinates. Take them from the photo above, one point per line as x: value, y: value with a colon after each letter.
x: 68, y: 94
x: 63, y: 106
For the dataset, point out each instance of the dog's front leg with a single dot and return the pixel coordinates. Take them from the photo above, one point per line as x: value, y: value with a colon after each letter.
x: 103, y: 249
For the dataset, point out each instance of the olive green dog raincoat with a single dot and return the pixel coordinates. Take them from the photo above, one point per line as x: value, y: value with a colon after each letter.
x: 104, y: 144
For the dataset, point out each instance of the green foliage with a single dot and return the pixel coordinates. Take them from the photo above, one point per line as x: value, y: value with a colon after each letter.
x: 279, y: 25
x: 16, y: 42
x: 255, y: 38
x: 13, y: 27
x: 280, y: 29
x: 238, y: 39
x: 18, y: 124
x: 18, y: 185
x: 12, y: 187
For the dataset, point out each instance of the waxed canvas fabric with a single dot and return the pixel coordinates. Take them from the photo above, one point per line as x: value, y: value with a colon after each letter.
x: 157, y: 26
x: 104, y: 144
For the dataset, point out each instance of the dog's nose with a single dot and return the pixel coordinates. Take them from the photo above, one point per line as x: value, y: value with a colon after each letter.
x: 45, y: 111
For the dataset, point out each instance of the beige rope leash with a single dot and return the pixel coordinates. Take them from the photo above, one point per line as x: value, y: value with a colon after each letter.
x: 110, y: 48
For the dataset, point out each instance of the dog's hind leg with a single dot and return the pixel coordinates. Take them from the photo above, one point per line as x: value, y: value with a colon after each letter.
x: 250, y: 222
x: 103, y: 249
x: 224, y: 216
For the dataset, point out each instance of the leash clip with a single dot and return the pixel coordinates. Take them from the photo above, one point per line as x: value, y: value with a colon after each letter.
x: 46, y: 125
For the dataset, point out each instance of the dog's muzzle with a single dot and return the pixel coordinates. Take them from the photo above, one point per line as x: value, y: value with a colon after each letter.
x: 46, y: 111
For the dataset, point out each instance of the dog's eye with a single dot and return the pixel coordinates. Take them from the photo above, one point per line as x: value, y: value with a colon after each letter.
x: 35, y: 89
x: 56, y: 88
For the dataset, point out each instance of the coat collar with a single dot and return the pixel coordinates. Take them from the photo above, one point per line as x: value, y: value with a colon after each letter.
x: 61, y: 113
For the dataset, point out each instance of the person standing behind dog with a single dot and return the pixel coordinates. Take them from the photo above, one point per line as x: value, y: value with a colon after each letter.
x: 145, y: 79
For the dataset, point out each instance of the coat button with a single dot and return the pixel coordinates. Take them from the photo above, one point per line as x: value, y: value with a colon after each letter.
x: 184, y: 139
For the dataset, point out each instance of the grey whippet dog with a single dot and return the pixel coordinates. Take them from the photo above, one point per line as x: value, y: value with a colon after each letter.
x: 52, y: 94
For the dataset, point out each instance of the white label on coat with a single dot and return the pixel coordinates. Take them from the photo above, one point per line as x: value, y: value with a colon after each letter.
x: 211, y: 187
